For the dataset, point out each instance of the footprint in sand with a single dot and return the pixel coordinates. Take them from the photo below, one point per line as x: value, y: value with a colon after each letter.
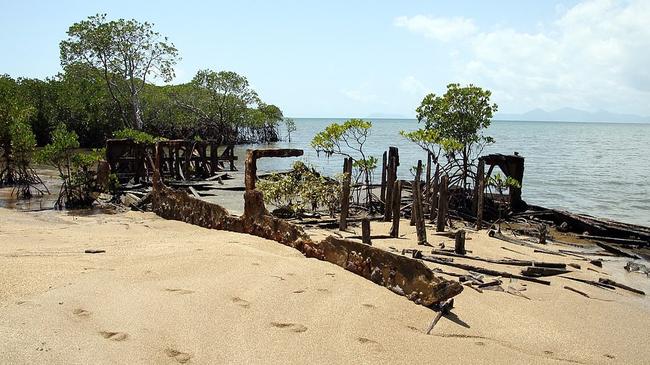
x: 298, y: 291
x: 369, y: 305
x: 241, y: 302
x: 81, y: 312
x: 413, y: 328
x: 322, y: 290
x: 180, y: 357
x: 114, y: 336
x: 293, y: 327
x: 180, y: 291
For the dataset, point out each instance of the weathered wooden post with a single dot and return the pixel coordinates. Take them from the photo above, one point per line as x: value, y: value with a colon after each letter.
x: 417, y: 207
x: 391, y: 176
x: 427, y: 186
x: 384, y: 161
x: 459, y: 247
x: 443, y: 201
x: 365, y: 231
x: 396, y: 205
x: 434, y: 194
x: 345, y: 193
x: 480, y: 174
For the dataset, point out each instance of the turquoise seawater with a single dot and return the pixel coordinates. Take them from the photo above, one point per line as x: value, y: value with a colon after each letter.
x: 601, y: 169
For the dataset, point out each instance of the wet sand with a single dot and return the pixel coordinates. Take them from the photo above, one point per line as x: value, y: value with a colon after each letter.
x: 165, y: 292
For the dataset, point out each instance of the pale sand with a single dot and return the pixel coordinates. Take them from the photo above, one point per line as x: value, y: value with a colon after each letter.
x: 168, y: 292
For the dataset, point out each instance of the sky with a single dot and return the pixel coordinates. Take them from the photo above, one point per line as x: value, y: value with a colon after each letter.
x: 377, y: 58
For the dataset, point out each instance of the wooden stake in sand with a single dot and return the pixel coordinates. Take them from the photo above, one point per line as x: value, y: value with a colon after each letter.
x: 397, y: 199
x: 445, y: 307
x: 442, y: 204
x: 365, y: 231
x: 460, y: 242
x: 417, y: 207
x: 345, y: 194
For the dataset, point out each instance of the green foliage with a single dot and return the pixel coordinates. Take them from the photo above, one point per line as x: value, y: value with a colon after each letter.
x: 348, y: 140
x: 455, y: 121
x: 460, y: 114
x: 74, y: 168
x: 301, y: 187
x: 126, y: 53
x: 23, y: 143
x: 501, y: 183
x: 137, y: 136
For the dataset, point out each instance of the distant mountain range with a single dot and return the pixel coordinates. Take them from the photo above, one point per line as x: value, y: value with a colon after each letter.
x: 573, y: 115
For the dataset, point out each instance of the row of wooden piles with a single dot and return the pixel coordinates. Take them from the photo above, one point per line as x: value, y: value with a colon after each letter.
x: 429, y: 201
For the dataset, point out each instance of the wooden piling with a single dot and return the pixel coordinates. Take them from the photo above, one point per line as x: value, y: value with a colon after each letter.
x: 345, y: 193
x: 384, y: 161
x: 427, y: 186
x: 396, y: 205
x: 433, y: 202
x: 417, y: 207
x: 480, y: 194
x: 459, y: 248
x: 391, y: 176
x: 365, y: 231
x: 443, y: 201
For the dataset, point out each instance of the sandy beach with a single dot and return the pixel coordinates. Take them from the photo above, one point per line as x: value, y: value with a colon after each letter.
x: 169, y: 292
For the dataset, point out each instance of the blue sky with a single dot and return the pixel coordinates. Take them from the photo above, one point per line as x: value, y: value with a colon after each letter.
x: 362, y: 58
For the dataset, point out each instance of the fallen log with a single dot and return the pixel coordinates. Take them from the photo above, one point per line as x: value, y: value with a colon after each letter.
x: 500, y: 261
x: 515, y: 241
x: 590, y: 282
x: 619, y: 285
x: 624, y: 241
x: 617, y: 251
x: 482, y: 270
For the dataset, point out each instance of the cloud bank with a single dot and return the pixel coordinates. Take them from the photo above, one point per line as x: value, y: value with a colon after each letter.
x: 594, y: 55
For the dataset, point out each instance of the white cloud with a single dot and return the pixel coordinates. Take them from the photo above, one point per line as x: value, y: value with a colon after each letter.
x: 442, y: 29
x: 412, y: 86
x: 594, y: 55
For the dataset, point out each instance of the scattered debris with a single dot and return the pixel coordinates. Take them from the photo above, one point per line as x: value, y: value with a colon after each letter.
x: 632, y: 266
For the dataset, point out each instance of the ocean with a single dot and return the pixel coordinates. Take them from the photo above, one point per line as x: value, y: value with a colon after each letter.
x: 600, y: 169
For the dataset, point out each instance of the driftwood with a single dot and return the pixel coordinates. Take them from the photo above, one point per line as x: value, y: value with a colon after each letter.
x: 519, y: 242
x: 481, y: 270
x: 444, y: 309
x: 577, y: 291
x: 619, y: 285
x: 618, y: 251
x: 537, y: 271
x: 501, y: 261
x: 622, y: 241
x: 590, y: 282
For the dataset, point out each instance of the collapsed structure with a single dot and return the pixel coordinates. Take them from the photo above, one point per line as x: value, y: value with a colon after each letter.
x: 402, y: 275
